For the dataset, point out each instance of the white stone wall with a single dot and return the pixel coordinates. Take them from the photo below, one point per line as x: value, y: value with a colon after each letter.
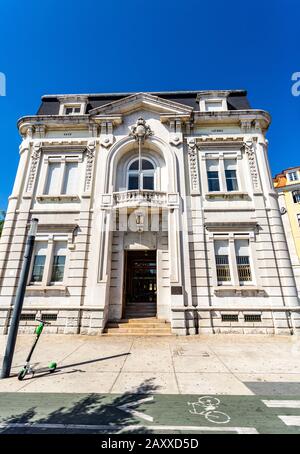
x: 188, y: 294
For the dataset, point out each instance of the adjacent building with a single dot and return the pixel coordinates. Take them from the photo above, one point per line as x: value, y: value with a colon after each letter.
x: 287, y: 184
x: 150, y: 205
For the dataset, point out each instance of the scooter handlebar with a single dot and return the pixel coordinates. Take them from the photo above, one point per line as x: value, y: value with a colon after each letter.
x: 42, y: 321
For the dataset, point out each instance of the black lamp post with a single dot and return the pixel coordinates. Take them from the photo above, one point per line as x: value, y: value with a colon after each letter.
x: 13, y: 330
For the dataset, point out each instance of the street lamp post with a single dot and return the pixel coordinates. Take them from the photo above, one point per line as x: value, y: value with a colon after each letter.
x: 140, y: 131
x: 13, y: 330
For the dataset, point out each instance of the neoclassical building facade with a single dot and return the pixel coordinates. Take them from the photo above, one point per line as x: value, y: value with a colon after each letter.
x: 155, y: 206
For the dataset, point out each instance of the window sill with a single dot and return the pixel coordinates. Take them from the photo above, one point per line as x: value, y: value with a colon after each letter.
x: 227, y: 195
x: 42, y: 289
x: 58, y: 198
x: 245, y: 290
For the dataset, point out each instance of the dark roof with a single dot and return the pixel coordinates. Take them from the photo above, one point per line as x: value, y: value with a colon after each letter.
x: 237, y: 100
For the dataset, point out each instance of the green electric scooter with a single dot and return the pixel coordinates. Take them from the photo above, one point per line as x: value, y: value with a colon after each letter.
x: 28, y: 369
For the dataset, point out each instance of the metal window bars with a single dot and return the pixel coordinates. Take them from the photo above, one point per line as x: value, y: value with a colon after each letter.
x: 244, y: 270
x: 223, y: 270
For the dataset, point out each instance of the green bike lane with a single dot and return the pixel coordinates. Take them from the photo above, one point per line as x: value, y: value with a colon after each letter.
x: 148, y: 413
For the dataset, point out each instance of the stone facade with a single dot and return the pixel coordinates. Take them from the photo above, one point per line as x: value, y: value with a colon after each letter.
x: 287, y: 184
x: 212, y: 214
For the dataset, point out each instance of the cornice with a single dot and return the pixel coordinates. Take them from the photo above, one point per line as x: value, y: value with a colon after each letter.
x: 233, y: 116
x: 288, y: 188
x: 60, y: 121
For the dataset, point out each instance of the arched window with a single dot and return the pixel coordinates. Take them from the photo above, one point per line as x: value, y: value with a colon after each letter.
x: 144, y: 180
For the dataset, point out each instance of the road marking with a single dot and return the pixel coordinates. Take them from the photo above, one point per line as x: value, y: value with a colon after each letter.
x: 282, y: 403
x: 238, y: 430
x: 290, y: 420
x: 127, y: 408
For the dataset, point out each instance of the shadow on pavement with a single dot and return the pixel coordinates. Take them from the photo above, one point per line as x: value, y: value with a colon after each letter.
x: 91, y: 409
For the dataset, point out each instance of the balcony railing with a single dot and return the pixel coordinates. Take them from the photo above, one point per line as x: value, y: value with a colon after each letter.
x: 142, y: 197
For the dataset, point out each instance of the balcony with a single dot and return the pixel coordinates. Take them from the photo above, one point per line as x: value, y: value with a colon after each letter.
x: 140, y: 198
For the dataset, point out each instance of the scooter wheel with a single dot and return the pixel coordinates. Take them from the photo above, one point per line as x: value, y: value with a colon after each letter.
x: 22, y: 374
x: 52, y: 367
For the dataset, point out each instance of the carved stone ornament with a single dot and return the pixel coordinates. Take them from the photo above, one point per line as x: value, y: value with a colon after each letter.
x: 175, y: 136
x: 246, y: 125
x: 106, y: 136
x: 90, y: 153
x: 193, y: 165
x: 249, y: 147
x: 35, y: 156
x: 141, y: 131
x: 175, y: 139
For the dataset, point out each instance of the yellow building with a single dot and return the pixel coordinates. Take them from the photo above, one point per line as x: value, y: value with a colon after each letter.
x: 287, y: 184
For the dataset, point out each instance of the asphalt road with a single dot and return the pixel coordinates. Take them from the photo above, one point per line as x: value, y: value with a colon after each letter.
x: 148, y: 413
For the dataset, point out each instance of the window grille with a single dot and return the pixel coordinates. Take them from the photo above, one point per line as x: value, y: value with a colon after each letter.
x: 252, y: 318
x: 223, y: 270
x: 230, y: 318
x: 49, y: 317
x: 28, y: 317
x: 244, y: 270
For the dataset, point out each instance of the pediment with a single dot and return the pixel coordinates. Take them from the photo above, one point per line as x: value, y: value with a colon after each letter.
x: 140, y: 101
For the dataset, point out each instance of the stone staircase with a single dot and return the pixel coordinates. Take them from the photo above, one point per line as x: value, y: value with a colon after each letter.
x: 139, y: 320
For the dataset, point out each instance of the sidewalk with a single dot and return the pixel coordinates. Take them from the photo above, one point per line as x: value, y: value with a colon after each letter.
x: 232, y: 365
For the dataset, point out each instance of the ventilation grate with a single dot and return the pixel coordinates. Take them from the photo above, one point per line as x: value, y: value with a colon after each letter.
x: 49, y: 317
x: 252, y: 318
x: 230, y: 318
x: 28, y: 317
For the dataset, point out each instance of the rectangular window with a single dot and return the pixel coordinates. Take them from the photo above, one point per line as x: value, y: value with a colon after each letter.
x: 70, y: 182
x: 296, y: 196
x: 71, y: 110
x: 230, y: 175
x: 148, y: 182
x: 222, y: 261
x: 243, y: 261
x: 213, y: 175
x: 293, y: 176
x: 53, y: 178
x: 298, y: 217
x: 133, y: 182
x: 39, y: 262
x: 212, y: 106
x: 59, y: 261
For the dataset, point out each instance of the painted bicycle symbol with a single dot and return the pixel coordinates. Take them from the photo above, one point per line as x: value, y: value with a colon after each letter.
x: 206, y: 406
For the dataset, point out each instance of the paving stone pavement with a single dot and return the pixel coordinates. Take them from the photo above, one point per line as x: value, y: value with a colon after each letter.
x: 225, y: 365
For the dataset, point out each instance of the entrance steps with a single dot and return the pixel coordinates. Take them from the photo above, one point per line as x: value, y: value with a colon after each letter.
x: 140, y: 310
x: 139, y: 326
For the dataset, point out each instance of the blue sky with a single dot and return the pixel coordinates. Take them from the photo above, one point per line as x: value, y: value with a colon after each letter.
x: 134, y: 45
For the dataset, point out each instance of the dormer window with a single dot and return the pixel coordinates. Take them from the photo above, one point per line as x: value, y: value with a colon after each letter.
x: 212, y: 106
x: 213, y: 100
x: 72, y: 104
x: 293, y: 176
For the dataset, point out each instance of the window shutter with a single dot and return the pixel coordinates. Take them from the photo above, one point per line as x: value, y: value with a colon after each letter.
x: 60, y: 248
x: 241, y: 248
x: 221, y: 247
x: 41, y: 248
x: 230, y: 164
x: 70, y: 184
x: 212, y: 165
x: 53, y: 178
